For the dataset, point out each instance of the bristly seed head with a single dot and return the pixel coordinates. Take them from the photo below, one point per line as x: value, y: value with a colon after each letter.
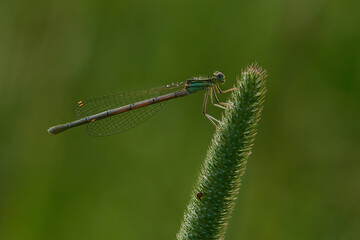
x: 220, y: 175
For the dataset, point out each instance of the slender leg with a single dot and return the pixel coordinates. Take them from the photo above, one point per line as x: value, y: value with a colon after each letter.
x: 211, y: 118
x: 220, y: 104
x: 217, y: 104
x: 223, y: 92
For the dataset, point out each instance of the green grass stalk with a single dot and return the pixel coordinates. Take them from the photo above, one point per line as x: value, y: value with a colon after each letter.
x: 213, y: 197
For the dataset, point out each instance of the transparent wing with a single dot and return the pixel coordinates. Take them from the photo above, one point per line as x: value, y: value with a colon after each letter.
x: 124, y: 121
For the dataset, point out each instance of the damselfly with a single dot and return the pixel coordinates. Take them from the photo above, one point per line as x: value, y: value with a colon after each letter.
x: 119, y: 112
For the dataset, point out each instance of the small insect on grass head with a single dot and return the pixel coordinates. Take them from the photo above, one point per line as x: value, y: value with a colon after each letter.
x: 219, y: 77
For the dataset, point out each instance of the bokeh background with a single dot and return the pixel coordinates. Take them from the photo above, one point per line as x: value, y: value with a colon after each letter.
x: 302, y: 180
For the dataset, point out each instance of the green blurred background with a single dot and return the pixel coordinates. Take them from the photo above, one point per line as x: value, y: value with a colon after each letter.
x: 302, y: 180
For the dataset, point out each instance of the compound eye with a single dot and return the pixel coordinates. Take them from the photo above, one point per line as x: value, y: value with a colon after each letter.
x: 219, y: 75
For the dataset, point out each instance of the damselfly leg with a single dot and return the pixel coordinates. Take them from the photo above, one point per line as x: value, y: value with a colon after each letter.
x: 211, y: 91
x: 211, y: 118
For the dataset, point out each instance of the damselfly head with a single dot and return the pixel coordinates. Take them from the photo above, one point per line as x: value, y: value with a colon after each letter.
x: 219, y: 77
